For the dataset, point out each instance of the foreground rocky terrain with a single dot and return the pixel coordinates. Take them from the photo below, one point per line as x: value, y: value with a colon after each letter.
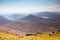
x: 55, y: 35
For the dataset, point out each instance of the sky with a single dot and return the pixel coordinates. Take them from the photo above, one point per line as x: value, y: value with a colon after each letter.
x: 29, y: 6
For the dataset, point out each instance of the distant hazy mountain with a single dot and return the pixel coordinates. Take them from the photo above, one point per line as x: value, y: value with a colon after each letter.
x: 49, y: 14
x: 14, y: 17
x: 17, y: 16
x: 31, y: 17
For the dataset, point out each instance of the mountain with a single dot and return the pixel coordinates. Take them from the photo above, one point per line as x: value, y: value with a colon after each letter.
x: 10, y: 26
x: 49, y: 14
x: 17, y: 16
x: 33, y: 24
x: 14, y: 17
x: 31, y: 17
x: 3, y: 20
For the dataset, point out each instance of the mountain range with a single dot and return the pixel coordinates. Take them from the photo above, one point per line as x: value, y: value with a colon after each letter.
x: 32, y: 23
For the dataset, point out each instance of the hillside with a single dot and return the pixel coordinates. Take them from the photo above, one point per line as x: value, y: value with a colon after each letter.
x: 42, y: 36
x: 33, y: 24
x: 3, y: 20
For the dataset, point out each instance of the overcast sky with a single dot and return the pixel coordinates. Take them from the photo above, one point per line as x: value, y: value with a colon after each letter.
x: 29, y: 6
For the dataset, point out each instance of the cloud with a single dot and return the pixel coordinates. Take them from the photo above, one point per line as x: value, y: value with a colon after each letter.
x: 54, y: 8
x: 29, y: 9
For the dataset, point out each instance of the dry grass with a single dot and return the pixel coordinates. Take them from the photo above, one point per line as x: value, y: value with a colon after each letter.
x: 43, y: 36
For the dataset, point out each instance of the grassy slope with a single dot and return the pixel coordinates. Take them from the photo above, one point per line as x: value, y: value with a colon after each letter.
x: 44, y: 36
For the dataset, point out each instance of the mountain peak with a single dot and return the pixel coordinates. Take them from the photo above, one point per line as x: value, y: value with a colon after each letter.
x: 30, y: 17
